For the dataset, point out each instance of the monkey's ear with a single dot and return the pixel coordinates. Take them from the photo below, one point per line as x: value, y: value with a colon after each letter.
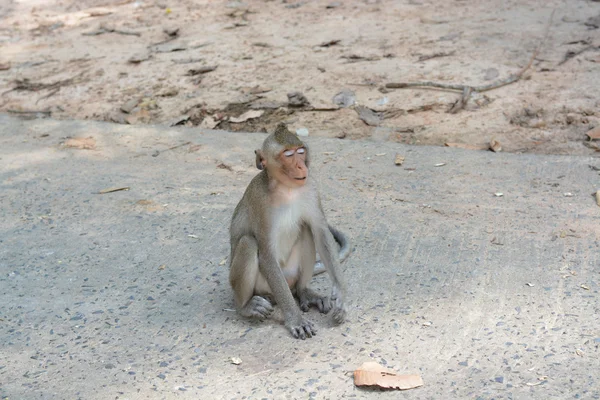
x: 261, y: 162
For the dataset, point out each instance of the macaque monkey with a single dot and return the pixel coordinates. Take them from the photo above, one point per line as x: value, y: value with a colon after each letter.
x: 276, y: 230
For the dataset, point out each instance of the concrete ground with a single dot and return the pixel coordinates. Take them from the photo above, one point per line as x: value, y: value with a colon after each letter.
x: 124, y: 295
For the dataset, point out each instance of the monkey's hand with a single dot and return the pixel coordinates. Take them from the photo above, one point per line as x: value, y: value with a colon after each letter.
x: 300, y: 328
x: 339, y: 308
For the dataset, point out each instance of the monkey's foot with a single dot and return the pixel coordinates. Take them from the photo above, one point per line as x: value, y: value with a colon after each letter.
x: 258, y: 307
x: 310, y: 298
x: 301, y: 329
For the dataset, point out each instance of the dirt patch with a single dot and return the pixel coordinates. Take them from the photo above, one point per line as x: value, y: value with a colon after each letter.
x: 140, y: 62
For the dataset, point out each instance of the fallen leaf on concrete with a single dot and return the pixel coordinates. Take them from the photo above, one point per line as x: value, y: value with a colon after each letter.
x: 88, y: 143
x: 236, y: 360
x: 594, y: 133
x: 568, y: 194
x: 399, y: 160
x: 498, y: 194
x: 161, y: 267
x: 579, y: 352
x: 223, y: 261
x: 373, y: 374
x: 194, y: 236
x: 467, y: 146
x: 252, y: 114
x: 530, y: 284
x: 598, y: 197
x: 440, y: 164
x: 585, y: 287
x: 114, y: 189
x: 495, y: 146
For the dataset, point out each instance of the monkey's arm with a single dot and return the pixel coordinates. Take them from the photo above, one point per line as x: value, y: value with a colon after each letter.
x: 344, y: 251
x: 325, y: 244
x: 294, y: 322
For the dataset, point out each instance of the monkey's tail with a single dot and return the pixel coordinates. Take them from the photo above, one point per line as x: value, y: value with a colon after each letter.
x: 343, y: 253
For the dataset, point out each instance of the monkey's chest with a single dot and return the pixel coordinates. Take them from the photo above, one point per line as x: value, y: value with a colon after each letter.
x: 285, y: 232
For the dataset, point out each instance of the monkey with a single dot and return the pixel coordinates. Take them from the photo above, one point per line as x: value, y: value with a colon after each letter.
x: 276, y: 230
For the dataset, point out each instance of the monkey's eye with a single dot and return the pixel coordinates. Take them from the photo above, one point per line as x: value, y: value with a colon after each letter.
x: 301, y: 150
x: 288, y: 153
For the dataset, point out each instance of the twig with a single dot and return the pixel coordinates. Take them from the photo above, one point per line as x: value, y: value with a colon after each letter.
x: 467, y: 89
x: 570, y: 54
x: 44, y: 112
x: 52, y: 93
x: 110, y: 30
x: 436, y: 55
x: 26, y: 84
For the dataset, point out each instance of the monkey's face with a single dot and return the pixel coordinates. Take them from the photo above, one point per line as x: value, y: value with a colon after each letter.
x: 293, y: 166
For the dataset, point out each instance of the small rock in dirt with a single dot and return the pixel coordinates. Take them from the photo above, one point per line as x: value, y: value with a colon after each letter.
x: 345, y: 98
x: 171, y: 31
x: 130, y: 105
x: 181, y: 120
x: 138, y: 58
x: 302, y: 132
x: 593, y: 22
x: 297, y: 99
x: 491, y: 73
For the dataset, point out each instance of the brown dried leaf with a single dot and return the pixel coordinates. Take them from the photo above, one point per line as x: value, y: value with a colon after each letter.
x: 88, y: 143
x: 594, y: 133
x: 398, y: 160
x: 495, y: 146
x: 467, y: 146
x: 373, y: 374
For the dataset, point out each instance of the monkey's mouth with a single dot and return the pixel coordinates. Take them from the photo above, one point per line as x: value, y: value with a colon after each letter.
x: 300, y: 179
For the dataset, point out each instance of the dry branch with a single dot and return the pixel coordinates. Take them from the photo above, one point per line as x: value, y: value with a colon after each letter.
x: 468, y: 89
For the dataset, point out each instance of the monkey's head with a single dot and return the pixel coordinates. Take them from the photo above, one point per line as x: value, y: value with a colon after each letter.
x: 285, y: 157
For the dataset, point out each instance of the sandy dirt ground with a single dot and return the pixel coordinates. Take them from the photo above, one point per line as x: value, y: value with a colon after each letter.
x: 320, y: 66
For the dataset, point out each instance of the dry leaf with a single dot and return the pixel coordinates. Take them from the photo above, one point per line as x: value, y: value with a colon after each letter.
x: 594, y: 133
x: 440, y: 164
x: 223, y: 261
x: 88, y: 143
x: 373, y: 374
x: 162, y: 267
x: 209, y: 123
x: 399, y: 160
x: 114, y: 189
x: 467, y: 146
x: 585, y: 287
x: 495, y: 146
x: 598, y: 197
x: 246, y: 116
x: 236, y: 360
x: 498, y: 194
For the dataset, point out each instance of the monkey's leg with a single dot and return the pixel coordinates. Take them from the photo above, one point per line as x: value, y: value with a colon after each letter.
x: 307, y: 296
x: 243, y: 276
